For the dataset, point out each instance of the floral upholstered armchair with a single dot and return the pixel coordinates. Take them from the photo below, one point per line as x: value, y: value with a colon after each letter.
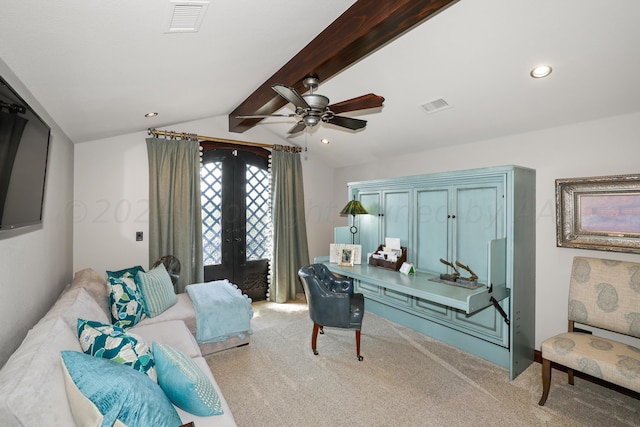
x: 604, y: 294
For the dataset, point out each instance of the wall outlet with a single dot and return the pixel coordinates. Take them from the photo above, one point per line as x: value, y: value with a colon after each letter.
x: 138, y: 236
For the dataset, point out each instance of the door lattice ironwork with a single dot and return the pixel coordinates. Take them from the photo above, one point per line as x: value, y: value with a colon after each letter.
x: 258, y: 196
x: 211, y: 187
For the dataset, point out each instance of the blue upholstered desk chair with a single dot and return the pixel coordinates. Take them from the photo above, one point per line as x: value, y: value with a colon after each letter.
x: 332, y: 302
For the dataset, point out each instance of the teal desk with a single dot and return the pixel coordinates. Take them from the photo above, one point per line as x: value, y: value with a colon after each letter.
x: 419, y: 286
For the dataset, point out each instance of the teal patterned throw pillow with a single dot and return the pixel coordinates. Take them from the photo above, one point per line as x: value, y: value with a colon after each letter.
x: 125, y: 272
x: 125, y: 299
x: 114, y: 343
x: 184, y: 383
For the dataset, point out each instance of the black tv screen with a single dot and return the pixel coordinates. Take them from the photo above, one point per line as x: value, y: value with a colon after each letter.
x: 24, y: 151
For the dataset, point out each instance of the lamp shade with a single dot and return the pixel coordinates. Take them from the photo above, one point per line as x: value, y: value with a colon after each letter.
x: 354, y: 207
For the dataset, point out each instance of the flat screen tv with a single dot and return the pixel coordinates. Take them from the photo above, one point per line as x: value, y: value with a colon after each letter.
x: 24, y: 152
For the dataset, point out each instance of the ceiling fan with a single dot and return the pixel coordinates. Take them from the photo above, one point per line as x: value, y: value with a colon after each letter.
x: 313, y: 108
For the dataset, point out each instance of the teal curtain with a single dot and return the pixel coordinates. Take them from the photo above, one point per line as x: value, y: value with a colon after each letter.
x: 290, y: 248
x: 175, y: 218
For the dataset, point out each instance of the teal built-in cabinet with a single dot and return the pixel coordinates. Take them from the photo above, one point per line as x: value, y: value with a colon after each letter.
x: 484, y: 218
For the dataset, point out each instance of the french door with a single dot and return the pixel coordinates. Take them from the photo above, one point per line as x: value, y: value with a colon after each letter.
x: 236, y: 219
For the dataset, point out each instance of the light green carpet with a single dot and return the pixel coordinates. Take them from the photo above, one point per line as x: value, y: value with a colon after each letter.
x: 406, y: 379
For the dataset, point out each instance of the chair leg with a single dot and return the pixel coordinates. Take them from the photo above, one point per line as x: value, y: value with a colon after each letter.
x: 570, y: 376
x: 546, y: 380
x: 314, y: 338
x: 358, y: 345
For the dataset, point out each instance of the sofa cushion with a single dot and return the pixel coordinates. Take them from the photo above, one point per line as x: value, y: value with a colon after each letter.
x: 31, y: 385
x: 102, y: 392
x: 95, y: 285
x: 114, y: 343
x: 171, y: 332
x: 125, y: 298
x: 76, y: 303
x: 184, y: 382
x: 157, y: 290
x: 182, y: 310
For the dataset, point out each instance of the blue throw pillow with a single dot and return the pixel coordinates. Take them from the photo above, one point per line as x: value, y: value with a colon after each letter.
x: 157, y: 290
x: 184, y: 382
x: 114, y: 343
x: 101, y: 392
x: 127, y: 307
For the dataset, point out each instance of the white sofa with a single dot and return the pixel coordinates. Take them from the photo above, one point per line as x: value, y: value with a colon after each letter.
x: 32, y: 386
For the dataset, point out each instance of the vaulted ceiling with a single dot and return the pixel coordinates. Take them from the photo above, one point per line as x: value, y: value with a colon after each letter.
x: 98, y: 67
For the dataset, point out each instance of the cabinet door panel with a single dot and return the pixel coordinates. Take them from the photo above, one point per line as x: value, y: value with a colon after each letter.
x: 367, y: 288
x: 369, y: 225
x: 486, y: 322
x: 397, y: 216
x: 431, y: 308
x: 478, y: 220
x: 396, y: 297
x: 432, y: 230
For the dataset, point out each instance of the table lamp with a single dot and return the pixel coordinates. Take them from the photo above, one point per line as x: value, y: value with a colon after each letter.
x: 354, y: 207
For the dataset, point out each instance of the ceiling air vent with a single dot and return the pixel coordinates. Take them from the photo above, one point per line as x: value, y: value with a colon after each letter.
x: 436, y: 105
x: 186, y: 16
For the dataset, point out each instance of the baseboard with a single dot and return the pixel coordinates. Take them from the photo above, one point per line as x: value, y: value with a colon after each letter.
x: 537, y: 357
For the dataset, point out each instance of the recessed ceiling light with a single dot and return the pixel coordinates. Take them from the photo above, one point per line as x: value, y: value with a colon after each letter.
x: 325, y: 141
x: 541, y: 71
x: 149, y: 115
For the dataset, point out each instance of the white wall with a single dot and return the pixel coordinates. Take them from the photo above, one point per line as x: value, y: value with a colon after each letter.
x: 111, y: 201
x: 320, y: 209
x: 37, y: 265
x: 603, y: 147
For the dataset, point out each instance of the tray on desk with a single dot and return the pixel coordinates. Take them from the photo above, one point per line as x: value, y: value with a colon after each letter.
x: 389, y: 265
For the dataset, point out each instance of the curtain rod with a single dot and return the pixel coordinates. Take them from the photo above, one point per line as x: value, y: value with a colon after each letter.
x: 172, y: 134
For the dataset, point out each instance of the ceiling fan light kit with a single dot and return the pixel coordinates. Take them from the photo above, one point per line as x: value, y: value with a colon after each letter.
x: 313, y: 108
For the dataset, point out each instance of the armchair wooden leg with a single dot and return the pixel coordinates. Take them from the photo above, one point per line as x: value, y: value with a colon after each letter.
x: 314, y: 338
x: 358, y: 345
x: 546, y: 380
x: 570, y: 376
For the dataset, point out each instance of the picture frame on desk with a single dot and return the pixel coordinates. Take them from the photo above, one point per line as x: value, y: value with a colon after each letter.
x: 599, y: 213
x: 346, y: 257
x: 335, y: 252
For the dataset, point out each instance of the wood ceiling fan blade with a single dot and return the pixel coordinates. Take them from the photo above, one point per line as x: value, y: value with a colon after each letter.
x: 347, y: 122
x: 264, y: 116
x: 360, y: 103
x: 299, y: 127
x: 291, y: 95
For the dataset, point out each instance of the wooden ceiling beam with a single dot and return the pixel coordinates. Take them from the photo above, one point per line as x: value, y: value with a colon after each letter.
x: 363, y: 28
